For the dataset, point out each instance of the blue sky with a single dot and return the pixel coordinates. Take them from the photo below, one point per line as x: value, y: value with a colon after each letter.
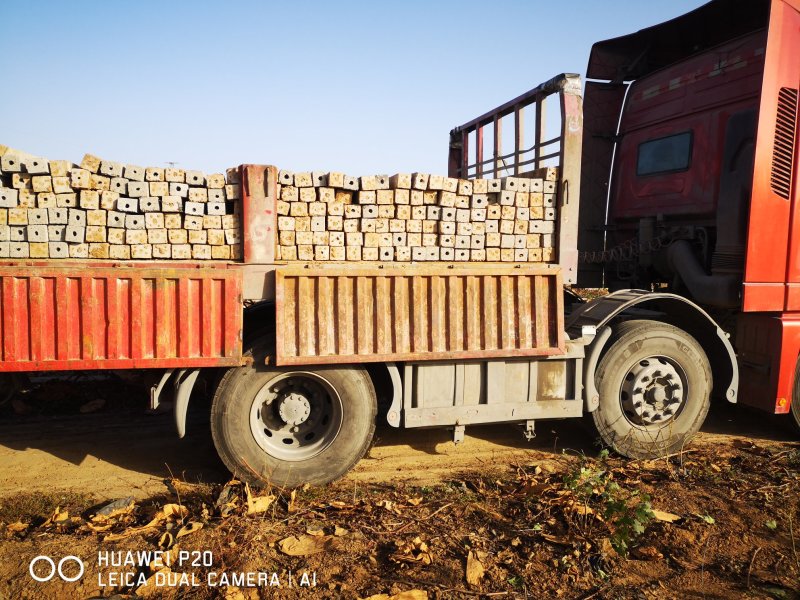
x: 361, y: 87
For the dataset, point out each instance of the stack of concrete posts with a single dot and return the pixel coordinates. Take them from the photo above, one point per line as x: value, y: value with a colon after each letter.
x: 416, y: 217
x: 108, y: 210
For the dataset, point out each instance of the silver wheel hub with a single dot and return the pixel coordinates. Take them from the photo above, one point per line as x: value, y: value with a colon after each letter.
x: 294, y: 409
x: 653, y: 391
x: 296, y: 415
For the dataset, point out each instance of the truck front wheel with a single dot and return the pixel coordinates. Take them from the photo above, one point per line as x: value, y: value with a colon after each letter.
x: 794, y: 409
x: 288, y: 427
x: 795, y: 412
x: 655, y: 384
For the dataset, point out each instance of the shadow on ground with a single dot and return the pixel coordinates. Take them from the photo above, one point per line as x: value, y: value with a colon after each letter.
x: 51, y: 439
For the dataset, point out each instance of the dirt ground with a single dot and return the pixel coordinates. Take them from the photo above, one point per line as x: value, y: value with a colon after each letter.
x: 419, y: 517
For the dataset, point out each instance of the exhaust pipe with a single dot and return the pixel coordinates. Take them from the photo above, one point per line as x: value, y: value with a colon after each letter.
x: 722, y: 291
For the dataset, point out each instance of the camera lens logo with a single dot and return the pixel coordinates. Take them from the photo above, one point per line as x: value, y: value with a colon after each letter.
x: 63, y: 569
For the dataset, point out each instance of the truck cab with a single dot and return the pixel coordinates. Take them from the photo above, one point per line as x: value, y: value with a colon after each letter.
x: 690, y: 165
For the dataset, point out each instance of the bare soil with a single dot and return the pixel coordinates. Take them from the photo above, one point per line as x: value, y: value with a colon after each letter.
x: 418, y: 514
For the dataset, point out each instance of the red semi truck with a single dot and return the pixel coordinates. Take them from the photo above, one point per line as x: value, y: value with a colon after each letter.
x: 677, y: 191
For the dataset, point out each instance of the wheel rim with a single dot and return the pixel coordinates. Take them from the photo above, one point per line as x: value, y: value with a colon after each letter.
x: 295, y: 416
x: 653, y: 392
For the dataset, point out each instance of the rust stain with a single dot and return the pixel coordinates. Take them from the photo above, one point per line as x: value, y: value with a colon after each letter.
x: 398, y: 314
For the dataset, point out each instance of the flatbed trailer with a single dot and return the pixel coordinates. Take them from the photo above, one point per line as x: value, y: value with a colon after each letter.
x: 444, y: 344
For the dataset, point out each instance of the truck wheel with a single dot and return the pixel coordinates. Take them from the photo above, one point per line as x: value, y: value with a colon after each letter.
x: 796, y: 416
x: 795, y: 407
x: 655, y: 386
x: 288, y: 427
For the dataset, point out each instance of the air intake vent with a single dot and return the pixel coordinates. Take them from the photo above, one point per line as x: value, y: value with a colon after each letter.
x: 783, y: 153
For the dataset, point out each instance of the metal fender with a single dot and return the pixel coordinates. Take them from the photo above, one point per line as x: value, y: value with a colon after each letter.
x: 184, y: 384
x: 598, y: 315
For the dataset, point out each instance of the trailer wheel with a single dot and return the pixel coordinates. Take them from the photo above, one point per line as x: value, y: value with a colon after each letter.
x: 655, y: 386
x: 288, y: 427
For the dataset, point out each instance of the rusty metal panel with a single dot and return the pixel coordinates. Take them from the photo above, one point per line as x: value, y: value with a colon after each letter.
x: 259, y: 215
x: 570, y: 184
x: 74, y: 317
x: 339, y: 314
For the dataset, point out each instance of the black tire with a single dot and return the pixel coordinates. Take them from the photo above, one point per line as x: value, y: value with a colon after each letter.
x: 249, y: 422
x: 794, y: 412
x: 655, y: 387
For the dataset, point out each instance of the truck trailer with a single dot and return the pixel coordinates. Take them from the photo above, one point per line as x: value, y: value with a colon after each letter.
x: 674, y: 186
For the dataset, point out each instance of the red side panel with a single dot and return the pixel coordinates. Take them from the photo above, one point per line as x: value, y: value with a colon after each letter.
x: 773, y: 217
x: 67, y: 316
x: 768, y: 347
x: 699, y: 95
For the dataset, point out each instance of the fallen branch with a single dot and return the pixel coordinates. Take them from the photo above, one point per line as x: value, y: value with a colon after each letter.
x: 750, y: 568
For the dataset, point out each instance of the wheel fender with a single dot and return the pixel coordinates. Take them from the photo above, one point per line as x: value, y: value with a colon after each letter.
x: 184, y: 384
x: 393, y: 416
x: 669, y: 308
x: 386, y: 380
x: 591, y: 397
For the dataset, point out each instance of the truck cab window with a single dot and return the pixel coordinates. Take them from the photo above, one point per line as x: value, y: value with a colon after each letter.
x: 665, y: 155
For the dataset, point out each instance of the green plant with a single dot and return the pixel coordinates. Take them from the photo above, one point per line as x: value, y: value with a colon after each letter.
x: 626, y: 512
x: 707, y: 518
